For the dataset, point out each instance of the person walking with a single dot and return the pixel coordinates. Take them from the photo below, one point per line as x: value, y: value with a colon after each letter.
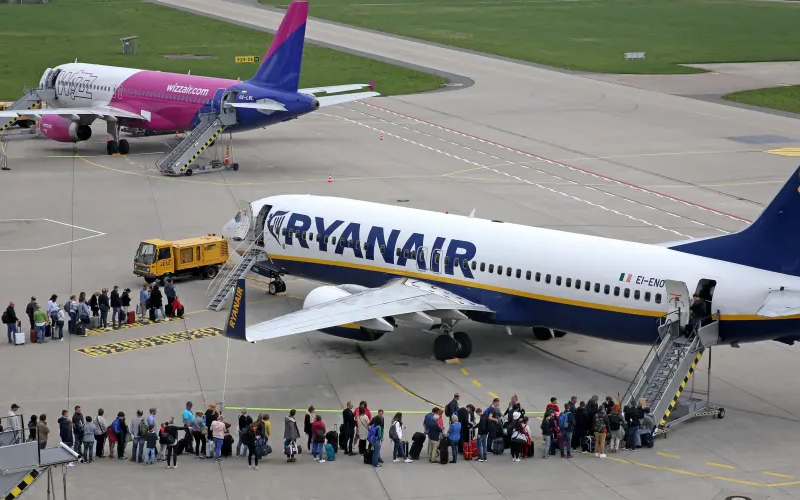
x: 10, y: 320
x: 244, y: 425
x: 218, y: 434
x: 396, y: 435
x: 101, y: 429
x: 42, y: 431
x: 16, y: 424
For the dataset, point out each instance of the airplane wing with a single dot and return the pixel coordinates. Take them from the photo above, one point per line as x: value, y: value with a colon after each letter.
x: 100, y: 111
x: 331, y: 100
x: 267, y: 106
x: 337, y: 88
x: 405, y: 296
x: 780, y: 303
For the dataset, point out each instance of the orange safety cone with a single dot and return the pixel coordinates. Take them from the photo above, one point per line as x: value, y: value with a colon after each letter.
x: 227, y: 155
x: 330, y: 179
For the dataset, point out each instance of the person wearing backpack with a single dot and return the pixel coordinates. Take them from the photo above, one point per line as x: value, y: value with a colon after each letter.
x: 139, y: 432
x: 396, y: 435
x: 566, y: 423
x: 375, y: 438
x: 548, y: 431
x: 10, y: 320
x: 318, y: 439
x: 600, y: 429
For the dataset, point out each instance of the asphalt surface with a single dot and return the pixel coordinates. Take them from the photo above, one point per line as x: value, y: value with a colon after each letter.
x: 522, y: 144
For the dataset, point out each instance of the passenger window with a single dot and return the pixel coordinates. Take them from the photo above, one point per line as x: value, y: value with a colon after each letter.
x: 538, y: 277
x: 405, y: 253
x: 358, y: 245
x: 414, y: 254
x: 474, y: 264
x: 465, y: 264
x: 318, y: 238
x: 398, y: 252
x: 647, y: 296
x: 547, y: 279
x: 606, y: 289
x: 333, y: 240
x: 587, y: 286
x: 455, y: 262
x: 436, y: 259
x: 578, y: 284
x: 283, y: 231
x: 499, y: 269
x: 326, y: 239
x: 616, y: 291
x: 491, y: 268
x: 558, y: 280
x: 658, y: 298
x: 636, y: 295
x: 508, y: 271
x: 304, y: 235
x: 627, y: 293
x: 310, y: 236
x: 483, y: 266
x: 569, y: 282
x: 597, y: 288
x: 528, y: 275
x: 446, y: 260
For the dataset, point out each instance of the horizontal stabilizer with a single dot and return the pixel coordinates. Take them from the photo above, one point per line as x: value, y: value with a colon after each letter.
x: 266, y: 106
x: 780, y: 303
x: 336, y: 89
x: 332, y: 100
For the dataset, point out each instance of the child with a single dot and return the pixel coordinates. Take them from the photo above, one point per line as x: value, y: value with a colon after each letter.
x: 151, y: 439
x: 88, y: 441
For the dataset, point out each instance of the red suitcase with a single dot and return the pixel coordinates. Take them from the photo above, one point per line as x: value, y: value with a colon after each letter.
x: 34, y: 336
x: 470, y: 449
x: 131, y: 317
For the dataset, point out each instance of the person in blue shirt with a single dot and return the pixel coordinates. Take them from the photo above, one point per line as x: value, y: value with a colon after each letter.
x: 188, y: 420
x: 434, y: 433
x: 454, y: 433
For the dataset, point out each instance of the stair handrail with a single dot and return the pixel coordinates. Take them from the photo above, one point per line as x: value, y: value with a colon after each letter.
x: 229, y: 265
x: 234, y: 268
x: 183, y: 146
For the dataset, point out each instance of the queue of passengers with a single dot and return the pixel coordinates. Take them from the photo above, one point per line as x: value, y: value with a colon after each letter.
x: 470, y: 432
x: 80, y: 313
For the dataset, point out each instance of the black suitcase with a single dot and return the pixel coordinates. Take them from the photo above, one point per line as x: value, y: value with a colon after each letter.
x: 168, y: 310
x: 368, y: 456
x: 227, y: 446
x: 587, y: 444
x: 152, y: 314
x: 498, y: 446
x: 343, y: 441
x: 444, y: 454
x: 48, y: 331
x: 630, y: 438
x: 553, y: 446
x: 179, y: 447
x: 647, y: 440
x: 332, y: 437
x: 530, y: 453
x: 416, y: 448
x: 405, y: 448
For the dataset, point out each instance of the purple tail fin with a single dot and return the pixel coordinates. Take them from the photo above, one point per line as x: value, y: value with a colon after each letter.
x: 280, y: 68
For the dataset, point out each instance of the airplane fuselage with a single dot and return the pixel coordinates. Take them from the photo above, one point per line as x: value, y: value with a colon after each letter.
x: 529, y: 276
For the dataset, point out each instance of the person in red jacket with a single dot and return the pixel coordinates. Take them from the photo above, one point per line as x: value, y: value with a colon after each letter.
x: 318, y: 439
x: 362, y: 408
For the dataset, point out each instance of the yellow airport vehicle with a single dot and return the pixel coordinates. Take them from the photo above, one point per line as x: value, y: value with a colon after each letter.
x: 22, y: 121
x: 159, y: 259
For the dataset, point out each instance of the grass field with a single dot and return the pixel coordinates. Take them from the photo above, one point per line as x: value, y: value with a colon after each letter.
x: 35, y: 37
x: 783, y: 98
x: 589, y: 35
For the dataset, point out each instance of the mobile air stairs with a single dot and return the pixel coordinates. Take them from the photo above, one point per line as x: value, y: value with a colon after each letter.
x: 22, y: 463
x: 30, y: 100
x: 661, y: 381
x: 183, y: 160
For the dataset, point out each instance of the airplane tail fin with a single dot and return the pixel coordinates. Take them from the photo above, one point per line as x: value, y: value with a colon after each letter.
x: 771, y: 243
x: 280, y: 67
x: 236, y: 327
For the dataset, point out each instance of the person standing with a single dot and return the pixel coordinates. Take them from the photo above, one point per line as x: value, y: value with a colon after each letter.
x: 71, y: 309
x: 200, y: 431
x: 83, y: 315
x: 363, y: 430
x: 211, y: 416
x: 396, y: 435
x: 615, y: 428
x: 454, y: 434
x: 290, y: 432
x: 77, y: 426
x: 434, y: 433
x: 318, y: 439
x: 40, y: 321
x: 452, y: 407
x: 101, y: 428
x: 121, y: 433
x: 89, y: 429
x: 104, y: 305
x: 16, y: 424
x: 144, y: 297
x: 308, y: 421
x: 172, y: 442
x: 171, y: 293
x: 125, y: 299
x: 244, y: 424
x: 483, y: 433
x: 139, y: 432
x: 566, y: 424
x: 116, y: 307
x: 30, y: 309
x: 188, y: 421
x: 61, y: 318
x: 548, y: 431
x: 150, y: 441
x: 348, y: 428
x: 600, y: 429
x: 377, y: 443
x: 52, y: 308
x: 156, y: 303
x: 218, y: 434
x: 249, y: 440
x: 42, y: 431
x: 10, y: 320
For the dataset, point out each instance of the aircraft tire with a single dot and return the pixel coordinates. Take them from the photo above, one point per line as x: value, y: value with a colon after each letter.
x: 112, y: 147
x: 444, y: 348
x: 721, y: 413
x: 281, y: 286
x: 463, y: 344
x: 559, y: 333
x: 235, y: 167
x: 273, y: 288
x: 124, y: 147
x: 542, y: 333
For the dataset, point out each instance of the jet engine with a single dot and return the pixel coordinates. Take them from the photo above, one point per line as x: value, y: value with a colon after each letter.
x: 58, y: 128
x: 365, y: 331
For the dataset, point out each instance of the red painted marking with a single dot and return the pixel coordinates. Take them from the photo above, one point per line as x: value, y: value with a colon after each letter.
x: 651, y: 191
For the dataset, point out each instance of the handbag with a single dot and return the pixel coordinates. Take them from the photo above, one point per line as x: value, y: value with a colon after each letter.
x: 519, y: 437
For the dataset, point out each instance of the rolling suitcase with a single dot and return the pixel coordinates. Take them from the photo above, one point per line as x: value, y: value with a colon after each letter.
x: 587, y: 444
x: 498, y: 446
x: 332, y: 437
x: 405, y: 448
x: 94, y: 322
x: 131, y: 317
x: 34, y: 336
x: 368, y: 456
x: 227, y: 446
x: 330, y: 452
x: 19, y: 338
x: 470, y: 449
x: 416, y: 449
x: 647, y: 440
x: 48, y: 331
x: 444, y: 451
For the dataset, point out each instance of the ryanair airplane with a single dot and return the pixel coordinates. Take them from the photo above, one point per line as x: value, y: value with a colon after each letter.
x: 386, y: 263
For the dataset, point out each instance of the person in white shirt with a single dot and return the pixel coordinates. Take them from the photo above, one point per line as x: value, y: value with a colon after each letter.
x: 15, y: 423
x: 52, y: 307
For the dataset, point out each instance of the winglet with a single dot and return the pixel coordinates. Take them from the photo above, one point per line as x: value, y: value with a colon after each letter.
x: 236, y: 328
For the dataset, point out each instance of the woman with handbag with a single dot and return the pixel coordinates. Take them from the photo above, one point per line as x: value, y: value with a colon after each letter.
x: 518, y: 437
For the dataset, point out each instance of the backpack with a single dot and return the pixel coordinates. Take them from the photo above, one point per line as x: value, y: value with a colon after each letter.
x: 329, y: 451
x: 319, y: 436
x: 563, y: 421
x: 372, y: 434
x: 5, y: 317
x: 598, y: 425
x: 614, y: 422
x: 143, y: 428
x: 393, y: 432
x: 447, y: 411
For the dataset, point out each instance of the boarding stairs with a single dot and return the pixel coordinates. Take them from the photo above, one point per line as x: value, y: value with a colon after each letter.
x: 22, y: 463
x: 661, y: 381
x: 29, y: 100
x: 182, y: 159
x: 3, y: 153
x: 223, y: 283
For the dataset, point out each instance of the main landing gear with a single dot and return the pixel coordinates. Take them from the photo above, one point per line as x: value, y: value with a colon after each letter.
x: 116, y: 145
x: 276, y: 284
x: 451, y: 344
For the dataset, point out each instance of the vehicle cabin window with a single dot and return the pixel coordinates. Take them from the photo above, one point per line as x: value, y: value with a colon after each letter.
x: 587, y: 286
x: 483, y: 266
x: 558, y: 280
x: 597, y: 288
x: 528, y: 275
x: 658, y: 298
x: 627, y: 293
x: 474, y: 264
x: 568, y: 283
x: 547, y: 279
x: 607, y: 289
x: 164, y: 253
x: 578, y: 284
x: 647, y: 296
x: 538, y: 277
x: 491, y: 268
x: 636, y: 295
x: 616, y: 291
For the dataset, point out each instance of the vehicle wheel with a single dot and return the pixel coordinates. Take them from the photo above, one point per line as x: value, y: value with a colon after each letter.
x: 188, y: 172
x: 112, y: 147
x: 163, y: 280
x: 444, y: 348
x: 124, y: 147
x: 559, y: 333
x: 210, y: 272
x: 149, y: 281
x: 24, y: 123
x: 463, y: 344
x: 273, y: 288
x: 721, y: 413
x: 542, y: 333
x: 235, y: 167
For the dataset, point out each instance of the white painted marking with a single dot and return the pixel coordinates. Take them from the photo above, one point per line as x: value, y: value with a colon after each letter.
x: 97, y: 233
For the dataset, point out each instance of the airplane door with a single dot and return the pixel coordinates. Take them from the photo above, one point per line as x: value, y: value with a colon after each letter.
x: 679, y: 301
x: 216, y: 102
x: 421, y: 253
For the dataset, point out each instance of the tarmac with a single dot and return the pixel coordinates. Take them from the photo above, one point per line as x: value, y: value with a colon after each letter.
x: 522, y: 144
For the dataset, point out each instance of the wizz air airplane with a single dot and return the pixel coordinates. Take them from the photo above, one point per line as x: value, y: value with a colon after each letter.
x: 385, y: 264
x: 77, y: 94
